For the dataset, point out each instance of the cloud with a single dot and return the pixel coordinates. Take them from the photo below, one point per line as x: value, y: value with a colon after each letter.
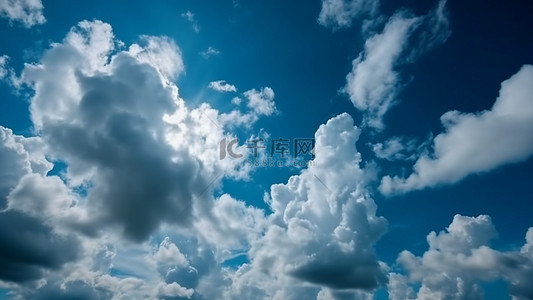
x: 210, y: 51
x: 3, y: 65
x: 340, y: 13
x: 19, y: 156
x: 476, y: 142
x: 118, y: 123
x: 32, y: 249
x: 322, y: 229
x: 373, y: 83
x: 375, y: 80
x: 396, y: 148
x: 261, y: 102
x: 27, y: 12
x: 236, y: 101
x: 190, y: 17
x: 133, y: 161
x: 222, y: 86
x: 161, y: 53
x: 459, y: 259
x: 164, y: 291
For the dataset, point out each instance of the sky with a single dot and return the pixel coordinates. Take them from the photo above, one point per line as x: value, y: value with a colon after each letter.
x: 325, y: 149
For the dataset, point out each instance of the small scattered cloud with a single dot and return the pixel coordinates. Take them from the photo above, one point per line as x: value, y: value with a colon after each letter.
x: 236, y: 100
x: 190, y: 17
x: 476, y: 142
x: 3, y: 66
x: 210, y: 51
x: 262, y: 101
x: 222, y: 86
x: 27, y: 12
x: 341, y: 13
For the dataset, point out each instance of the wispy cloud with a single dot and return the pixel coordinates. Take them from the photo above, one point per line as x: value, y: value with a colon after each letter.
x: 210, y: 51
x: 190, y: 17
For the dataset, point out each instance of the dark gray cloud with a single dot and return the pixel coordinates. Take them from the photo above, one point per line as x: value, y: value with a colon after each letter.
x: 117, y: 133
x: 28, y: 247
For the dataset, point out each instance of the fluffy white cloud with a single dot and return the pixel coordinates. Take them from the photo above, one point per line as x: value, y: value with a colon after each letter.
x: 27, y: 12
x: 137, y: 160
x: 173, y: 290
x: 322, y: 229
x: 476, y: 142
x: 261, y: 102
x: 117, y: 121
x: 161, y: 53
x: 222, y: 86
x: 458, y: 260
x: 340, y: 13
x: 19, y: 156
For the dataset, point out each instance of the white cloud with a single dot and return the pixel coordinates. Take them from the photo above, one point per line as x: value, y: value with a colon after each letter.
x: 476, y: 142
x: 222, y: 86
x: 261, y: 102
x: 19, y: 156
x: 3, y: 66
x: 210, y: 51
x: 322, y: 229
x: 173, y: 290
x: 236, y: 101
x: 373, y: 82
x: 459, y: 259
x: 396, y: 148
x: 340, y: 13
x: 116, y: 120
x: 190, y: 17
x: 27, y: 12
x: 161, y: 53
x: 168, y: 253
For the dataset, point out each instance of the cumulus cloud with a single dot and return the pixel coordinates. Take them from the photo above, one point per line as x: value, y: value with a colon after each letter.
x: 468, y: 144
x: 137, y: 159
x: 116, y: 120
x: 322, y: 229
x: 27, y: 12
x: 222, y: 86
x: 340, y: 13
x: 161, y: 53
x: 261, y: 102
x: 19, y: 156
x: 458, y: 260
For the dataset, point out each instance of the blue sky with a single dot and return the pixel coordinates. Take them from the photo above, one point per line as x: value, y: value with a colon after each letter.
x: 113, y: 184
